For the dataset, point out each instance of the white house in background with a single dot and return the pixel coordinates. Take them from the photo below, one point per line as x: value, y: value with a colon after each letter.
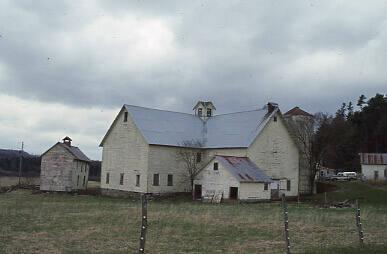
x: 374, y: 166
x: 141, y: 146
x: 64, y: 168
x: 234, y: 178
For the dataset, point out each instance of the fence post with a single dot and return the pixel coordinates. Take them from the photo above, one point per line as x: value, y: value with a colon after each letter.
x: 358, y: 224
x: 144, y: 222
x: 286, y: 223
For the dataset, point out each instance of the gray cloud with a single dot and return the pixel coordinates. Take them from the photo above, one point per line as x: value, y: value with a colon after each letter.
x: 240, y: 54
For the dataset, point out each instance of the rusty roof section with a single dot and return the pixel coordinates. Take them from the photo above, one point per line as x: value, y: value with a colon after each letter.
x: 243, y: 169
x: 373, y: 158
x: 296, y: 111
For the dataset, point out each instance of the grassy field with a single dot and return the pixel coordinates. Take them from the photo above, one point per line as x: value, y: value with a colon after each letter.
x: 62, y: 223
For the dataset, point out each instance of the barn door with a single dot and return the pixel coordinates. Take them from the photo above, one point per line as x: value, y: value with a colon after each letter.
x: 233, y: 192
x: 198, y: 191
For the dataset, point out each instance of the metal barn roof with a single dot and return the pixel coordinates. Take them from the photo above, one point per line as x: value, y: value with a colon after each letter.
x: 160, y: 127
x: 373, y: 158
x: 243, y: 169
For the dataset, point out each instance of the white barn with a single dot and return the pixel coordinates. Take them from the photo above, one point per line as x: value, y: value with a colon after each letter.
x: 141, y: 146
x: 374, y: 166
x: 230, y: 177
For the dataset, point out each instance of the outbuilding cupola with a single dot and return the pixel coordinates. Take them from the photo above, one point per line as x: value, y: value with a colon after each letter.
x: 67, y: 141
x: 204, y: 109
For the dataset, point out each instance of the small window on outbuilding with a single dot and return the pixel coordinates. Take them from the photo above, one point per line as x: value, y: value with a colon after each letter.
x: 200, y: 111
x: 156, y: 180
x: 275, y: 118
x: 125, y: 117
x: 107, y: 178
x: 216, y: 166
x: 84, y: 180
x: 170, y: 180
x: 209, y: 112
x: 138, y: 180
x: 198, y: 157
x: 78, y: 181
x: 266, y: 186
x: 122, y: 179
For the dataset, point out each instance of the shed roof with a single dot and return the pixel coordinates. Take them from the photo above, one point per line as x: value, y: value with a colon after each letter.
x: 296, y: 111
x: 161, y: 127
x: 243, y: 169
x: 373, y: 158
x: 75, y: 151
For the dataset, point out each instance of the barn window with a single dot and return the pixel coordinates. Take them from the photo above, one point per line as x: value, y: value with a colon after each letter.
x: 121, y: 178
x: 84, y: 180
x: 198, y: 157
x: 138, y: 180
x: 200, y: 111
x: 216, y: 166
x: 125, y: 116
x: 107, y: 178
x: 275, y: 118
x: 266, y: 186
x: 209, y: 112
x: 288, y: 185
x: 78, y: 181
x: 156, y: 180
x: 170, y: 180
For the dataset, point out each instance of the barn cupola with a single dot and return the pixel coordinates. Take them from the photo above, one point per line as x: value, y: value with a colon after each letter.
x: 67, y: 141
x: 204, y: 109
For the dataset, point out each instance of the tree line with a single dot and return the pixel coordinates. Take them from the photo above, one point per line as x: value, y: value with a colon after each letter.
x: 339, y: 138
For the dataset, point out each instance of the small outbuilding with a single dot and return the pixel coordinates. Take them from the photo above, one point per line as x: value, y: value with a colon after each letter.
x: 64, y: 168
x: 374, y: 166
x: 230, y: 177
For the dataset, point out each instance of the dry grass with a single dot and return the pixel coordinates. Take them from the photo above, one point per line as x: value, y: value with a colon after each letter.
x: 61, y: 223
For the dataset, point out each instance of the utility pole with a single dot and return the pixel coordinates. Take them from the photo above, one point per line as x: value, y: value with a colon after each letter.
x: 21, y: 161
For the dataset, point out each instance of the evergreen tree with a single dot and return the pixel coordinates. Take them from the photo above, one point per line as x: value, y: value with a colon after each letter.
x: 361, y: 101
x: 349, y: 110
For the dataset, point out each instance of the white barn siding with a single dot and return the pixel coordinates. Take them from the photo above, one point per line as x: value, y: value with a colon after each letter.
x: 56, y: 170
x: 163, y: 160
x: 124, y: 151
x: 237, y: 152
x: 276, y: 154
x: 368, y: 172
x: 216, y: 182
x: 254, y: 191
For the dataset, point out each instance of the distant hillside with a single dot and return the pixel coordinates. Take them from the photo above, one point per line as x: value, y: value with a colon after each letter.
x: 9, y: 163
x: 9, y: 154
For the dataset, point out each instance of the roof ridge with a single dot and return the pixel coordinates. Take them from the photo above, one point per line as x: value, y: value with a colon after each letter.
x: 159, y: 109
x: 238, y: 112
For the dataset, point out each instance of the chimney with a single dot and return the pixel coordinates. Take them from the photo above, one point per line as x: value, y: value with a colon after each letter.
x: 67, y: 141
x: 271, y: 106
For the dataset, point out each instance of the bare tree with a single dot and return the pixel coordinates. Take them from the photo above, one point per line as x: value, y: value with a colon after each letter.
x: 303, y: 129
x: 190, y: 154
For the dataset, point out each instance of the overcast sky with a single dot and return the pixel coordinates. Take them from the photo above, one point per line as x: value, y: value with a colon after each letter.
x: 66, y: 67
